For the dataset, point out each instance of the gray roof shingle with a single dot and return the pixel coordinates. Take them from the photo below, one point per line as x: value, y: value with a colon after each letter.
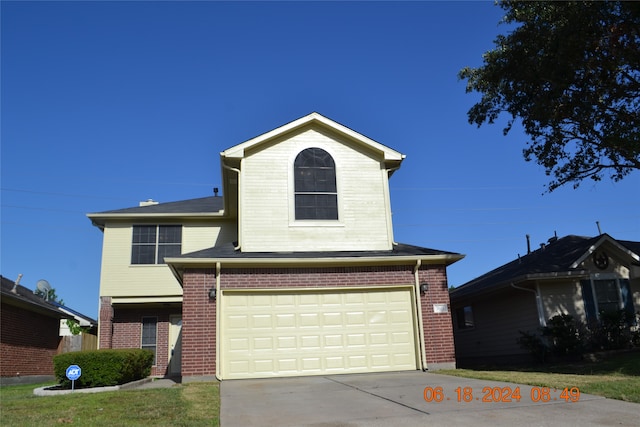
x: 555, y: 257
x: 399, y: 250
x: 201, y: 205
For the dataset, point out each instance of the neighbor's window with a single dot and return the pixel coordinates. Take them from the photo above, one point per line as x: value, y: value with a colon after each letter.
x: 316, y: 196
x: 464, y: 317
x: 152, y: 243
x: 149, y: 335
x: 607, y: 295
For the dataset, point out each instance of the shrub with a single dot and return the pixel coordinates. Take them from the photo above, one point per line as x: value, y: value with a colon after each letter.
x: 102, y: 368
x: 534, y: 344
x: 566, y: 335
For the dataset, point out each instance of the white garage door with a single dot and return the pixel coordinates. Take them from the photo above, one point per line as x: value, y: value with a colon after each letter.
x: 289, y: 333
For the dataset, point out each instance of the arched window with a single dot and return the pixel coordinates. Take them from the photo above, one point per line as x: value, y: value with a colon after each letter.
x: 316, y: 196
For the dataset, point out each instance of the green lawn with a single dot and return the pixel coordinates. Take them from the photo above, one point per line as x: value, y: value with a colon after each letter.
x: 616, y: 377
x: 193, y: 404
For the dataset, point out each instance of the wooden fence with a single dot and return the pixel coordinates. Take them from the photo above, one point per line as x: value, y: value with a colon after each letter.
x: 80, y: 342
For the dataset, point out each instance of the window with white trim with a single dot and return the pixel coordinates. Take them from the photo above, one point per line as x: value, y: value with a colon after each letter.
x: 150, y: 335
x: 315, y: 192
x: 152, y: 243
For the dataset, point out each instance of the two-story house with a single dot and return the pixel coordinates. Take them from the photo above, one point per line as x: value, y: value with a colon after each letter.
x: 294, y: 271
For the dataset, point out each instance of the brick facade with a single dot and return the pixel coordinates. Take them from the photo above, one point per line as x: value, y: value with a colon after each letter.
x: 28, y: 343
x: 198, y: 324
x: 199, y: 317
x: 122, y: 328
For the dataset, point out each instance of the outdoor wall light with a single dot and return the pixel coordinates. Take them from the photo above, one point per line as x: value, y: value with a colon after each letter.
x: 212, y: 293
x: 424, y: 287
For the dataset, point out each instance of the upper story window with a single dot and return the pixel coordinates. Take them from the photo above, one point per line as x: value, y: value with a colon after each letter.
x: 316, y: 196
x: 152, y: 243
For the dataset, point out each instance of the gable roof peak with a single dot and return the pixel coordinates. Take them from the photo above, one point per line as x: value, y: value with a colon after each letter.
x: 238, y: 151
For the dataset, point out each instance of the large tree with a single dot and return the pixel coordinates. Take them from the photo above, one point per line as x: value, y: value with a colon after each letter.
x: 569, y: 72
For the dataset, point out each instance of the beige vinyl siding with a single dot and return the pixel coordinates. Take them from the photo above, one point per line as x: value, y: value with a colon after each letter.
x: 119, y: 278
x: 197, y: 235
x: 497, y: 320
x: 267, y: 203
x: 562, y: 297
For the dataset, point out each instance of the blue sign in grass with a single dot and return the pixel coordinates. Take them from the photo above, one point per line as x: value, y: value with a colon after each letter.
x: 73, y: 373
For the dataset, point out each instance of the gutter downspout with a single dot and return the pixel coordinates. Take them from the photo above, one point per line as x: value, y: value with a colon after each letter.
x: 423, y: 350
x: 387, y: 195
x: 541, y: 321
x: 218, y: 298
x: 239, y: 205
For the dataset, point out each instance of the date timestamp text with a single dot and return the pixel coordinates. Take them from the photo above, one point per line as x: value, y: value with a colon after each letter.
x: 502, y: 394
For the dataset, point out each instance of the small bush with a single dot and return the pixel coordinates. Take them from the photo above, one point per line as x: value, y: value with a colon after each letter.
x: 534, y: 344
x: 102, y: 368
x: 566, y: 335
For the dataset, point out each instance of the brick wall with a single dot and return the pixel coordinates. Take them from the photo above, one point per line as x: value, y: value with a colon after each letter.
x: 198, y: 324
x: 122, y: 328
x: 438, y: 327
x: 28, y: 343
x: 199, y: 315
x: 105, y: 322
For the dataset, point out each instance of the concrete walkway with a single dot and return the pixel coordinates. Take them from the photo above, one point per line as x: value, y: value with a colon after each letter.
x: 398, y: 399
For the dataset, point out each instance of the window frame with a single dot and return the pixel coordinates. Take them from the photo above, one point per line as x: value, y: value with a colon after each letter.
x: 334, y: 192
x: 150, y: 346
x: 158, y: 244
x: 605, y: 278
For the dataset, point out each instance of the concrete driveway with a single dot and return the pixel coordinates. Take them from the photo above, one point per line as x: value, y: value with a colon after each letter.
x: 398, y: 399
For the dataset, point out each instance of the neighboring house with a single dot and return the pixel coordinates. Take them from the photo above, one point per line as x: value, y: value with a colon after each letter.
x: 88, y: 324
x: 30, y: 333
x: 84, y: 340
x: 580, y: 276
x: 293, y: 272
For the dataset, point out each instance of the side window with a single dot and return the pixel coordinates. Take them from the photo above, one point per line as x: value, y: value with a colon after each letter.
x: 607, y: 295
x: 152, y: 243
x: 150, y: 335
x: 316, y: 196
x: 464, y: 317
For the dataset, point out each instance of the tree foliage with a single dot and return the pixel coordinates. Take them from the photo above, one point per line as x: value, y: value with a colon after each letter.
x: 49, y: 296
x: 570, y: 72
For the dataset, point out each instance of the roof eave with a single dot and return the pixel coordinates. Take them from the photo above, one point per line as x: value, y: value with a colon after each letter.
x: 238, y: 151
x: 521, y: 279
x: 177, y: 265
x: 99, y: 219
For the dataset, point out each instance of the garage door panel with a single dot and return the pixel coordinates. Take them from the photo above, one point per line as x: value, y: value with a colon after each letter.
x: 355, y: 318
x: 309, y: 320
x: 310, y: 342
x: 285, y: 321
x: 356, y: 340
x: 333, y: 341
x: 287, y: 333
x: 261, y: 321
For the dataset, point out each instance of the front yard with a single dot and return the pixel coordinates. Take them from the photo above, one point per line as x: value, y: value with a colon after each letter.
x: 616, y: 377
x: 193, y: 404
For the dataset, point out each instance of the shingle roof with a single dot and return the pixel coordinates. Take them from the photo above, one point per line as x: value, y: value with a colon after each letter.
x: 632, y: 246
x: 556, y: 257
x: 27, y: 298
x: 399, y: 250
x: 201, y: 205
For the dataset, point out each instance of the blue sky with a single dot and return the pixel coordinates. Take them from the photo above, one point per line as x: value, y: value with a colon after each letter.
x: 105, y: 104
